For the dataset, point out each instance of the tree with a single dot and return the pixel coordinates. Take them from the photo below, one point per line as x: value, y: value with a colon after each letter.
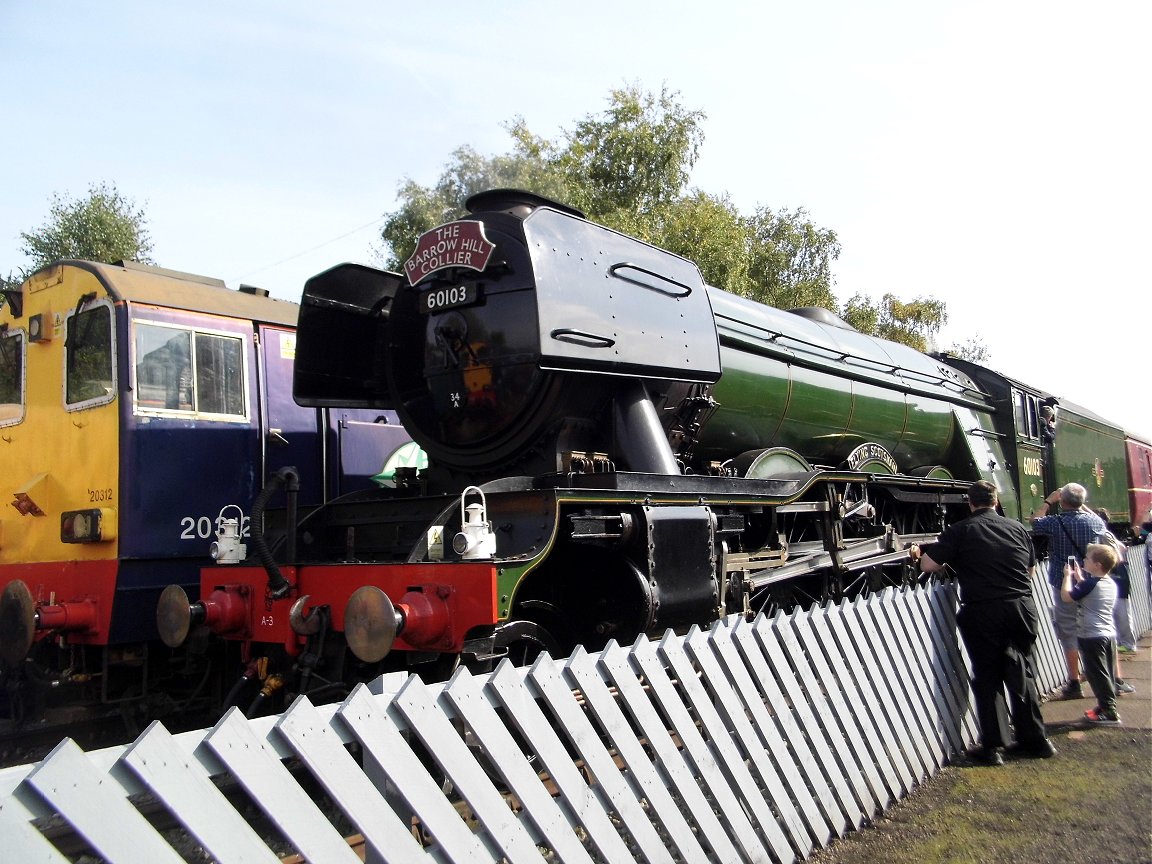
x: 973, y: 349
x: 633, y: 159
x: 707, y: 230
x: 791, y: 260
x: 913, y: 323
x: 628, y: 168
x: 105, y: 226
x: 528, y: 166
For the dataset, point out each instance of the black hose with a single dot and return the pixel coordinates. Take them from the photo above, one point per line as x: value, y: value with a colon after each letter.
x: 287, y: 478
x: 234, y: 693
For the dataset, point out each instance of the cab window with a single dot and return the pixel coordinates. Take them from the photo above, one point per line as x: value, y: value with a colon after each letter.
x: 1025, y: 415
x: 11, y: 377
x: 187, y: 371
x: 89, y: 372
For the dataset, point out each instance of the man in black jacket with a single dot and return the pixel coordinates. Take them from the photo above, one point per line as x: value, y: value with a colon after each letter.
x: 992, y: 558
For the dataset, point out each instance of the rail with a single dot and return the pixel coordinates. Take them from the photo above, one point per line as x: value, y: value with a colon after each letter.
x: 753, y: 741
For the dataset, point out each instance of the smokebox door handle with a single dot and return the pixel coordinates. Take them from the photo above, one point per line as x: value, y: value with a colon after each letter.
x: 649, y: 279
x: 580, y: 337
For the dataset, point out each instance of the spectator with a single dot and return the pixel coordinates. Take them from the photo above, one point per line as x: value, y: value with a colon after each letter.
x: 1094, y: 591
x: 1069, y: 532
x: 993, y: 559
x: 1121, y: 612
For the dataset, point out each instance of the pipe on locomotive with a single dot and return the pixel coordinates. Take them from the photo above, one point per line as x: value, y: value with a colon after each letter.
x: 288, y: 479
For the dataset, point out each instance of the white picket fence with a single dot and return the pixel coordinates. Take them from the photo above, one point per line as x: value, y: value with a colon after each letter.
x: 751, y: 742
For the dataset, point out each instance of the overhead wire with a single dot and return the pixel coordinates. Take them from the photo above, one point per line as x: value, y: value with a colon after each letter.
x: 301, y: 254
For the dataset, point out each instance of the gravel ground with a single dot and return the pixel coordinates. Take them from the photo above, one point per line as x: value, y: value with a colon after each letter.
x: 1092, y: 804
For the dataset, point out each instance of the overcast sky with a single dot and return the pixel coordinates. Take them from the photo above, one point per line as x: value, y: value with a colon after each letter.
x: 995, y: 155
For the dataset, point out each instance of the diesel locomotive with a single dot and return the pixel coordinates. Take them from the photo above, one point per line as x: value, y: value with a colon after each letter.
x: 613, y: 448
x: 140, y: 411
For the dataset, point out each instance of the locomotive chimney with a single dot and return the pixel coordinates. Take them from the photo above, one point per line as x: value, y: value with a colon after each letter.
x: 514, y: 202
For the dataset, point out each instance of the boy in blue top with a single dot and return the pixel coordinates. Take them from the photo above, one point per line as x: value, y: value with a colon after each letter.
x: 1093, y: 590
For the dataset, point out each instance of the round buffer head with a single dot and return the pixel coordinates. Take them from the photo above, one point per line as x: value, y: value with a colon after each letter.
x: 370, y: 624
x: 173, y: 616
x: 17, y: 623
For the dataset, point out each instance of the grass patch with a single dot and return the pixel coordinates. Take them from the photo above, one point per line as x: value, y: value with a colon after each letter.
x: 1093, y: 802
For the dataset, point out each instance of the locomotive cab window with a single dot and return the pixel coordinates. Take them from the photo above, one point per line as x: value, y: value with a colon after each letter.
x: 1027, y: 421
x: 193, y: 372
x: 89, y: 377
x: 11, y: 377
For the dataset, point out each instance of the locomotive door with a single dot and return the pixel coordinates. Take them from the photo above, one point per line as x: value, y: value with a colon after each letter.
x: 290, y: 434
x: 1032, y: 463
x: 336, y: 451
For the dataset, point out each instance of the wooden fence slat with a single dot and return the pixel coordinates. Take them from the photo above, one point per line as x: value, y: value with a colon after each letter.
x: 698, y: 754
x: 1048, y: 656
x: 823, y: 676
x: 447, y: 747
x: 1140, y: 600
x: 190, y: 795
x: 773, y: 635
x: 720, y: 741
x: 909, y: 656
x: 880, y: 673
x: 472, y: 706
x: 926, y: 664
x: 891, y: 657
x: 873, y: 752
x: 807, y: 696
x: 809, y: 822
x: 259, y: 770
x: 706, y: 651
x: 747, y: 640
x: 654, y: 782
x: 861, y: 663
x: 387, y: 752
x: 320, y: 749
x: 940, y: 608
x: 95, y: 806
x: 22, y: 841
x: 586, y: 804
x: 829, y: 709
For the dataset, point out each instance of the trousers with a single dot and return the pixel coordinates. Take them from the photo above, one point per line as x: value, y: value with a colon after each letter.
x: 999, y: 635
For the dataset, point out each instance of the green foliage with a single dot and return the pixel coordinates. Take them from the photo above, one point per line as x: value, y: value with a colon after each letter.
x: 104, y: 226
x: 528, y: 166
x: 634, y: 158
x: 707, y: 230
x: 791, y: 260
x: 912, y: 323
x: 628, y: 168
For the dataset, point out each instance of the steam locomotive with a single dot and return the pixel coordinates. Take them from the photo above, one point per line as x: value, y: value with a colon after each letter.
x: 140, y: 408
x: 614, y: 448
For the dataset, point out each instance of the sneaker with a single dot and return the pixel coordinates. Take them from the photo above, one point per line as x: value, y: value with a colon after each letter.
x: 1095, y: 715
x: 1124, y: 649
x: 1070, y: 690
x: 1124, y: 687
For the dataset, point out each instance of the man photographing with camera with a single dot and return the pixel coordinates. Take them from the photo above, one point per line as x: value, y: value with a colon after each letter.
x: 1069, y: 531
